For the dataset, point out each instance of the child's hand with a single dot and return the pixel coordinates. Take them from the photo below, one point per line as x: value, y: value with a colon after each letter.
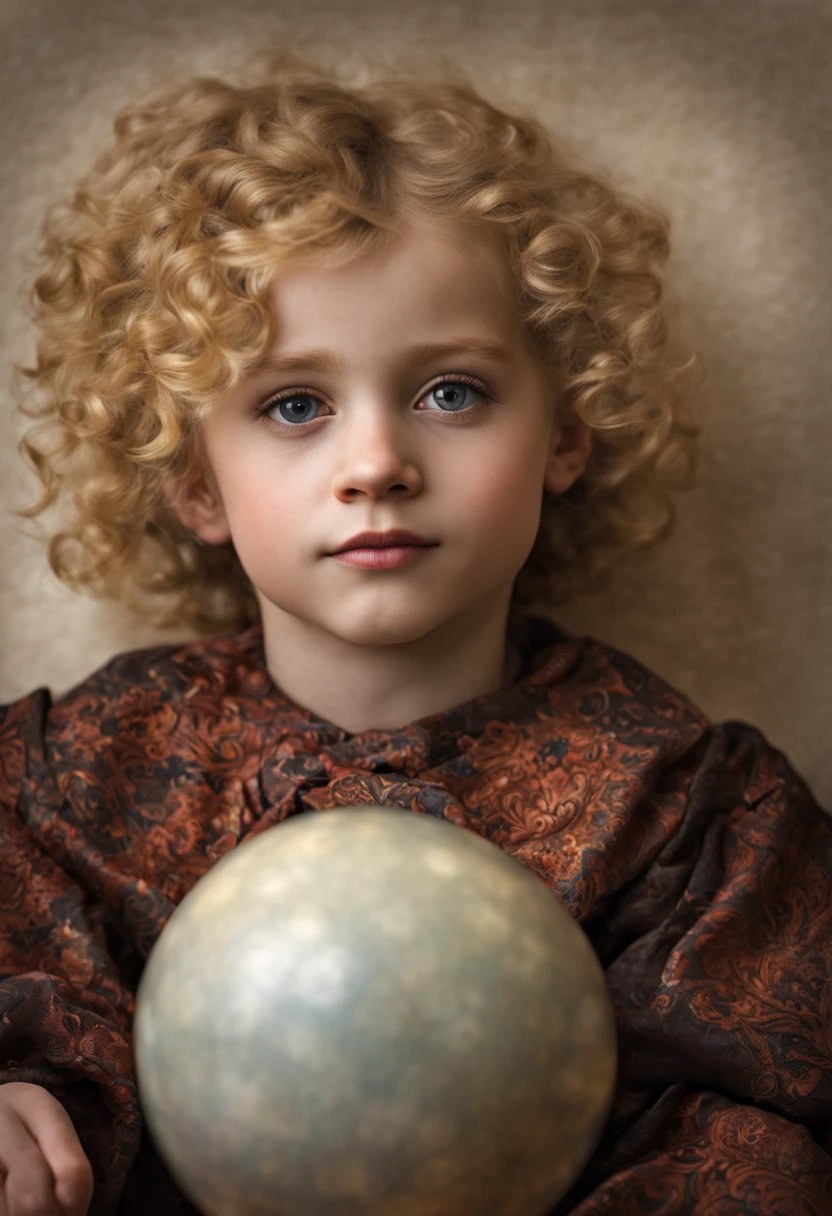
x: 43, y: 1169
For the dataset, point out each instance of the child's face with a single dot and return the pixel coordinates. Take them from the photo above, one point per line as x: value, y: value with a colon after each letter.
x: 387, y: 434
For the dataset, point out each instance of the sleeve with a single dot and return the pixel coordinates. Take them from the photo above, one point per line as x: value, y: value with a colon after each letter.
x: 64, y: 1011
x: 724, y: 1003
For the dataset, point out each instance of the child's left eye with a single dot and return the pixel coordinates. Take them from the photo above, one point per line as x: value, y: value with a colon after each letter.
x: 456, y: 395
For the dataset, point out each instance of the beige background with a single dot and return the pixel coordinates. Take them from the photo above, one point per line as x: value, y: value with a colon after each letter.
x: 719, y: 110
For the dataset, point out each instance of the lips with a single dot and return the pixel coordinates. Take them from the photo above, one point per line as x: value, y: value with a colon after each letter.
x: 384, y: 540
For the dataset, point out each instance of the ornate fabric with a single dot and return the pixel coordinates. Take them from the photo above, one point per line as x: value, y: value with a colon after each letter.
x: 694, y: 857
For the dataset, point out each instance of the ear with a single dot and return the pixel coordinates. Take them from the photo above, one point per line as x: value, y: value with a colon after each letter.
x: 568, y: 456
x: 197, y: 503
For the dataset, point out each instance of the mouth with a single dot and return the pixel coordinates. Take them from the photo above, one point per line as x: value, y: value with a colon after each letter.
x: 381, y: 557
x: 396, y: 538
x: 383, y: 550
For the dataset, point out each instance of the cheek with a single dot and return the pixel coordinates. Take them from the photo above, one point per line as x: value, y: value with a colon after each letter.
x: 263, y: 504
x: 505, y: 492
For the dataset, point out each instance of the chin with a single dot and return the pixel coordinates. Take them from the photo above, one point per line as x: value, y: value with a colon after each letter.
x: 373, y: 628
x: 371, y: 634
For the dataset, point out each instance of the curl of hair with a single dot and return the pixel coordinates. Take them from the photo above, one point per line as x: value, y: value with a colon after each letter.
x: 153, y: 302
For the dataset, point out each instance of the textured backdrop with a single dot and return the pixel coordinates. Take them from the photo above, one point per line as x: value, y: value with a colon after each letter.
x: 717, y: 110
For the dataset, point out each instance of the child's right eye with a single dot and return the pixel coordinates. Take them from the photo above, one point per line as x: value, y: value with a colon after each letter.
x: 299, y: 411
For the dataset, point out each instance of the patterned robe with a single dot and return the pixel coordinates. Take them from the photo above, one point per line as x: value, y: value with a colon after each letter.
x: 693, y: 856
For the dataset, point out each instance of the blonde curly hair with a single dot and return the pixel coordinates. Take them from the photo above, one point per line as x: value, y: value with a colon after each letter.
x: 153, y: 302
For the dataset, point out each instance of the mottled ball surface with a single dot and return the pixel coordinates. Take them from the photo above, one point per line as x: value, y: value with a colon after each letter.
x: 371, y: 1012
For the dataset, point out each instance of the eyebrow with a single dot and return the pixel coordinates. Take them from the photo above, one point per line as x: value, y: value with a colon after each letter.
x: 326, y: 361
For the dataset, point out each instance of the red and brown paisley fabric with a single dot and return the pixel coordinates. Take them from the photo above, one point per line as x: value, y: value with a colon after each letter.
x: 694, y: 857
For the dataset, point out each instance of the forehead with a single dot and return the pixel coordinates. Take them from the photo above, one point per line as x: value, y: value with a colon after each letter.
x: 430, y: 275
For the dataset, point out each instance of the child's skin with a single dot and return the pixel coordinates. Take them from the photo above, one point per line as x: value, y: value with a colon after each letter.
x: 45, y: 1172
x: 362, y: 648
x: 380, y: 648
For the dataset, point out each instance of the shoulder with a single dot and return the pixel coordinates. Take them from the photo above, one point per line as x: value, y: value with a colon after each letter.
x: 630, y: 686
x: 22, y: 726
x: 594, y: 685
x: 156, y: 705
x: 734, y: 754
x: 220, y: 666
x: 729, y: 770
x: 146, y: 725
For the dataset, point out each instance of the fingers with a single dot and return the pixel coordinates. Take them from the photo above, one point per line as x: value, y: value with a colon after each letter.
x: 28, y: 1187
x: 47, y: 1171
x: 74, y: 1185
x: 58, y: 1141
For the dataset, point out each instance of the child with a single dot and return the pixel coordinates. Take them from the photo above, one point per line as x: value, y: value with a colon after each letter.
x: 276, y: 317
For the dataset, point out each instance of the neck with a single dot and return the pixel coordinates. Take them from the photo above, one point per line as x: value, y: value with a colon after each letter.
x: 384, y: 687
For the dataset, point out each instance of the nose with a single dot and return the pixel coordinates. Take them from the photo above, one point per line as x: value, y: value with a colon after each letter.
x: 373, y: 461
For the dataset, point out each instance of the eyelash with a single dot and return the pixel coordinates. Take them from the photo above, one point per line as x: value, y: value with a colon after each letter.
x: 288, y: 394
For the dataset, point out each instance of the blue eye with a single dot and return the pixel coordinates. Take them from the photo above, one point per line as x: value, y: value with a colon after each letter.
x: 453, y: 395
x: 297, y: 407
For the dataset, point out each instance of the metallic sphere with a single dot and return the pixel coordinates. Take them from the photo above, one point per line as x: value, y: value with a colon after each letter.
x: 371, y: 1012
